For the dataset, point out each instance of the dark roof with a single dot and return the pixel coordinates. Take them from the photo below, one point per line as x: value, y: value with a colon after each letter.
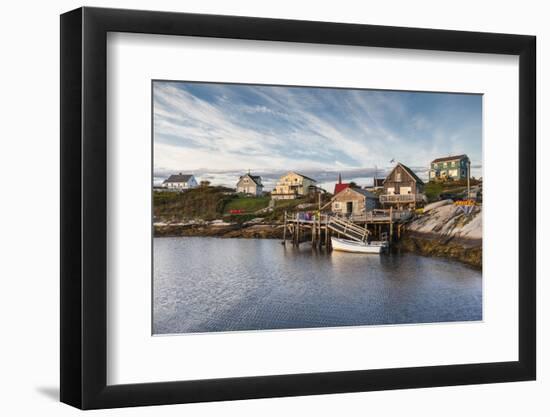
x: 449, y: 158
x: 412, y: 174
x: 359, y: 191
x: 305, y: 176
x: 178, y: 178
x: 256, y: 178
x: 364, y: 192
x: 409, y: 171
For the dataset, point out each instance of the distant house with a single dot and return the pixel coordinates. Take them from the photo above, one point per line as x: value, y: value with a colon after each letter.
x: 403, y: 189
x: 377, y: 184
x: 353, y: 201
x: 250, y: 184
x: 339, y: 186
x: 293, y: 185
x: 450, y: 168
x: 180, y: 182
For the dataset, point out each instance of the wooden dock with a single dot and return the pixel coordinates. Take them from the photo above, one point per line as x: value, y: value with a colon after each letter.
x: 318, y: 227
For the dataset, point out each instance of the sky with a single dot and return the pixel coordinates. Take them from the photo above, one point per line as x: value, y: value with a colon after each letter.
x: 220, y: 131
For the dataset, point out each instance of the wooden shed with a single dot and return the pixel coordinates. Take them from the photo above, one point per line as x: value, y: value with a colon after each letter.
x: 354, y: 201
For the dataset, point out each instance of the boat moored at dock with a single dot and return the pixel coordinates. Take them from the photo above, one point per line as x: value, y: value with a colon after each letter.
x: 345, y: 245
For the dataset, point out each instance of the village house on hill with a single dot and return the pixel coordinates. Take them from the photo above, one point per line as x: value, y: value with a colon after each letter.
x: 353, y: 201
x: 180, y: 182
x: 403, y: 189
x: 250, y: 184
x: 293, y: 185
x: 450, y: 168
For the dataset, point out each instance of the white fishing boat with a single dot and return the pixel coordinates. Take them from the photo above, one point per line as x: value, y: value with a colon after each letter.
x: 346, y: 245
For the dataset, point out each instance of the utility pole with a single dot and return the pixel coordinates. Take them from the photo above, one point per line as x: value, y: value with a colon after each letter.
x: 468, y: 171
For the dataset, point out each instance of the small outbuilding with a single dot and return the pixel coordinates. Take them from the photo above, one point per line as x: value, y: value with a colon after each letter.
x: 354, y: 201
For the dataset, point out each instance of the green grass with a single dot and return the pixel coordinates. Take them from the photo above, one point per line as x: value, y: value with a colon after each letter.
x: 209, y: 203
x: 205, y: 203
x: 432, y: 190
x: 247, y: 203
x: 290, y: 204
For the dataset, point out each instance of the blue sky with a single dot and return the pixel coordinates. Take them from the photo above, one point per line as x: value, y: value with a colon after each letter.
x: 220, y: 130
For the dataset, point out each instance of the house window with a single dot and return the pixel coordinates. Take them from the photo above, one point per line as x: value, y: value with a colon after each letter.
x: 398, y: 176
x: 336, y: 205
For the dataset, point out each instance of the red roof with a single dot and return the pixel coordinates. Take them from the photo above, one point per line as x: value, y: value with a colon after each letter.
x: 340, y: 187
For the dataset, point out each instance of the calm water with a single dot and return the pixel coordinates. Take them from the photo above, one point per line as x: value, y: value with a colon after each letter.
x: 212, y: 284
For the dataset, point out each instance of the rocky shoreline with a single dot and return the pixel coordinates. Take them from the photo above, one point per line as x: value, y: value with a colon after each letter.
x: 443, y: 231
x: 446, y: 230
x: 468, y: 251
x: 231, y: 230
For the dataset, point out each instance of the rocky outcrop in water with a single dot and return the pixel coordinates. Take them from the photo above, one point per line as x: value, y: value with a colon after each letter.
x: 446, y: 230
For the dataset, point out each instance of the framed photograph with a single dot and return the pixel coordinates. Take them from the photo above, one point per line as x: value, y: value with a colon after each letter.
x: 255, y: 208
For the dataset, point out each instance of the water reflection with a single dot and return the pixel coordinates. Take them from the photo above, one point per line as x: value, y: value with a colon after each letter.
x: 210, y: 284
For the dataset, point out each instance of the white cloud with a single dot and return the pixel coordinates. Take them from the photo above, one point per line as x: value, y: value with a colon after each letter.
x: 278, y: 128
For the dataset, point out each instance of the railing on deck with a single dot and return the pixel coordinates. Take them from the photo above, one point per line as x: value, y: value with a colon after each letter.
x: 381, y: 215
x: 373, y: 216
x: 400, y: 198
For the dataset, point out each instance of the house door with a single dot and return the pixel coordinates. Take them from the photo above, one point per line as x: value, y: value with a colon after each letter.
x: 349, y: 207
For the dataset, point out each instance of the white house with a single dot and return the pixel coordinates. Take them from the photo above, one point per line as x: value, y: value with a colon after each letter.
x: 180, y: 182
x: 250, y: 184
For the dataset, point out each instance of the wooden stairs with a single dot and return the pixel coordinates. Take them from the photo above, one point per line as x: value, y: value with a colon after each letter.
x: 347, y: 228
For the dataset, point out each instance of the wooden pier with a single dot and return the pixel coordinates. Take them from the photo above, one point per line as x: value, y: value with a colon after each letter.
x: 317, y: 228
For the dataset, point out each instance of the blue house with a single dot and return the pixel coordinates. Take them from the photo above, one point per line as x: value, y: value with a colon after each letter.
x: 450, y: 168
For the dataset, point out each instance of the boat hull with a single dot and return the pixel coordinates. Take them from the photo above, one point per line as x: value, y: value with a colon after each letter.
x: 344, y: 245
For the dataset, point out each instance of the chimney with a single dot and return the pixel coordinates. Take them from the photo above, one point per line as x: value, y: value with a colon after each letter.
x: 340, y: 178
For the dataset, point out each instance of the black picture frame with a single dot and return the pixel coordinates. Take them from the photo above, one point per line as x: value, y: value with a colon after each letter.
x: 84, y: 207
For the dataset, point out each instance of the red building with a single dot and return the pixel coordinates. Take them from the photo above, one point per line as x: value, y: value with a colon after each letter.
x: 340, y: 186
